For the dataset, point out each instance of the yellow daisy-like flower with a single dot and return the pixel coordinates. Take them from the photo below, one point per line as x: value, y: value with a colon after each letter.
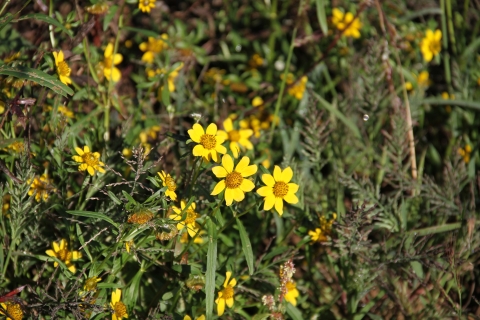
x: 197, y: 240
x: 431, y: 45
x: 110, y: 61
x: 40, y: 187
x: 91, y: 284
x: 152, y: 47
x: 14, y: 310
x: 169, y: 183
x: 187, y: 317
x: 238, y: 138
x: 63, y: 70
x: 119, y: 308
x: 61, y: 252
x: 298, y: 88
x: 226, y: 296
x: 146, y: 5
x: 190, y: 221
x: 292, y: 293
x: 89, y: 160
x: 209, y: 142
x: 278, y: 189
x: 341, y: 20
x: 235, y: 184
x: 317, y: 235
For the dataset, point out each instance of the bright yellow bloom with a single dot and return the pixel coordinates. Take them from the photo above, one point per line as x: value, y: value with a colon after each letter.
x: 292, y: 293
x: 169, y: 183
x: 187, y: 317
x: 63, y: 70
x: 320, y: 234
x: 209, y: 142
x: 235, y: 183
x: 431, y: 45
x: 40, y: 187
x: 119, y: 308
x: 317, y: 235
x: 191, y: 218
x: 153, y: 46
x: 465, y: 153
x: 91, y: 284
x: 226, y: 296
x: 257, y: 101
x: 110, y: 61
x: 238, y: 138
x: 2, y: 106
x: 298, y: 88
x: 341, y: 20
x: 14, y: 310
x: 89, y: 160
x: 17, y: 147
x: 278, y: 189
x: 146, y: 5
x: 6, y: 203
x: 66, y: 112
x: 198, y: 239
x: 60, y: 251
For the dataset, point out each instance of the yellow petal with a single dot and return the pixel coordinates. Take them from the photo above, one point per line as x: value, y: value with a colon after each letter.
x: 219, y: 172
x: 238, y: 194
x: 227, y: 163
x: 116, y: 295
x: 108, y: 51
x: 269, y: 202
x: 63, y: 244
x: 228, y: 275
x: 90, y: 170
x: 76, y: 255
x: 219, y: 187
x: 242, y: 164
x: 229, y: 196
x: 220, y: 307
x: 228, y: 125
x: 247, y: 185
x: 233, y: 282
x: 196, y: 132
x: 235, y: 149
x: 86, y: 149
x: 117, y: 59
x: 198, y: 150
x: 50, y: 253
x: 268, y: 180
x: 290, y: 198
x: 265, y: 191
x: 55, y: 246
x: 277, y: 173
x: 83, y: 167
x: 229, y: 302
x: 221, y: 149
x: 211, y: 129
x: 214, y: 155
x: 250, y: 170
x: 279, y: 205
x: 79, y: 151
x: 72, y: 268
x: 292, y: 187
x: 287, y: 175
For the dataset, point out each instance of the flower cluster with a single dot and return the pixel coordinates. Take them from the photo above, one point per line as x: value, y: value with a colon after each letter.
x: 296, y: 88
x: 465, y: 153
x: 153, y: 46
x: 347, y: 23
x: 13, y: 311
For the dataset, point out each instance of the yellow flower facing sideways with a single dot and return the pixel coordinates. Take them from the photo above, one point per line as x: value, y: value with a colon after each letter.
x: 88, y: 160
x: 63, y: 70
x: 234, y: 184
x: 341, y: 20
x: 13, y: 310
x: 292, y: 292
x: 431, y: 45
x: 61, y: 252
x: 110, y: 61
x: 238, y: 138
x: 119, y: 308
x: 146, y: 5
x: 226, y: 296
x: 209, y: 142
x: 168, y: 182
x: 153, y: 46
x: 191, y: 218
x: 40, y: 187
x: 278, y: 188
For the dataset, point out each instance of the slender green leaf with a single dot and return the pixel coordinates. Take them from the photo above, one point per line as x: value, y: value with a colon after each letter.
x: 471, y: 50
x: 293, y: 312
x: 211, y: 268
x: 454, y: 103
x: 109, y: 16
x: 44, y: 18
x: 82, y: 241
x: 37, y: 76
x: 114, y: 198
x: 322, y: 16
x: 5, y: 20
x: 148, y: 33
x: 261, y: 316
x: 246, y: 246
x: 94, y: 215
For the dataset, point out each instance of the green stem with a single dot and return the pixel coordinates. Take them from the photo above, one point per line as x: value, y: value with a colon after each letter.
x: 448, y: 76
x: 271, y: 41
x: 4, y: 6
x: 195, y: 175
x: 451, y: 32
x: 50, y: 27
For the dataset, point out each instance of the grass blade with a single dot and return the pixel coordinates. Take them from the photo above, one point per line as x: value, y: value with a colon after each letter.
x: 95, y: 215
x: 322, y: 16
x: 211, y: 268
x: 246, y: 246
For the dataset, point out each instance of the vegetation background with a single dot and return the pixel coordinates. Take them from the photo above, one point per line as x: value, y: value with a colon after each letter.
x: 336, y: 178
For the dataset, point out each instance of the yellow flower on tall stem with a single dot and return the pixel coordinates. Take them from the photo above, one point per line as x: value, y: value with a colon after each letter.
x: 238, y: 138
x: 191, y: 219
x: 168, y: 182
x: 341, y: 20
x: 278, y: 189
x: 431, y: 45
x: 146, y: 5
x: 110, y: 61
x: 119, y: 308
x: 226, y: 296
x: 88, y: 160
x: 209, y: 142
x: 63, y: 70
x: 292, y: 293
x: 61, y: 252
x: 13, y: 311
x: 234, y: 184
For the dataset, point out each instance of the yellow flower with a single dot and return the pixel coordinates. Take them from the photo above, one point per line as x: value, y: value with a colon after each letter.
x: 465, y: 153
x: 66, y: 112
x: 2, y: 106
x: 225, y: 296
x: 129, y: 245
x: 11, y: 57
x: 6, y: 203
x: 109, y: 70
x: 40, y: 187
x: 198, y: 239
x: 91, y: 284
x: 446, y: 96
x: 60, y: 251
x: 214, y: 75
x: 235, y: 183
x: 191, y: 218
x: 63, y: 70
x: 17, y: 147
x: 296, y: 89
x: 320, y: 234
x: 119, y: 308
x: 292, y: 293
x: 431, y: 45
x: 237, y: 138
x: 255, y: 61
x: 169, y: 183
x: 153, y: 46
x: 89, y: 160
x: 14, y: 310
x: 209, y: 143
x: 257, y: 101
x: 278, y: 189
x: 317, y: 235
x: 341, y: 20
x: 422, y: 80
x: 146, y: 5
x: 187, y: 317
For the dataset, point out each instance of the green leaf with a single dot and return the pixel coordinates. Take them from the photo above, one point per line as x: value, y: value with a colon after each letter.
x: 458, y: 103
x: 114, y: 198
x: 109, y: 16
x: 322, y: 16
x: 5, y: 20
x: 293, y: 312
x: 148, y: 33
x: 94, y: 215
x: 211, y: 268
x: 44, y: 18
x: 37, y: 76
x: 246, y: 246
x: 82, y: 241
x: 167, y: 296
x: 261, y: 316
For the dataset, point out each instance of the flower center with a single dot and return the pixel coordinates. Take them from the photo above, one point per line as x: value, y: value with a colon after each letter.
x: 120, y: 309
x: 15, y: 311
x: 234, y: 135
x: 63, y: 69
x: 63, y: 255
x: 191, y: 216
x: 90, y: 159
x: 227, y: 293
x: 233, y: 180
x: 146, y: 2
x: 208, y: 141
x: 170, y: 183
x: 280, y: 189
x: 290, y: 286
